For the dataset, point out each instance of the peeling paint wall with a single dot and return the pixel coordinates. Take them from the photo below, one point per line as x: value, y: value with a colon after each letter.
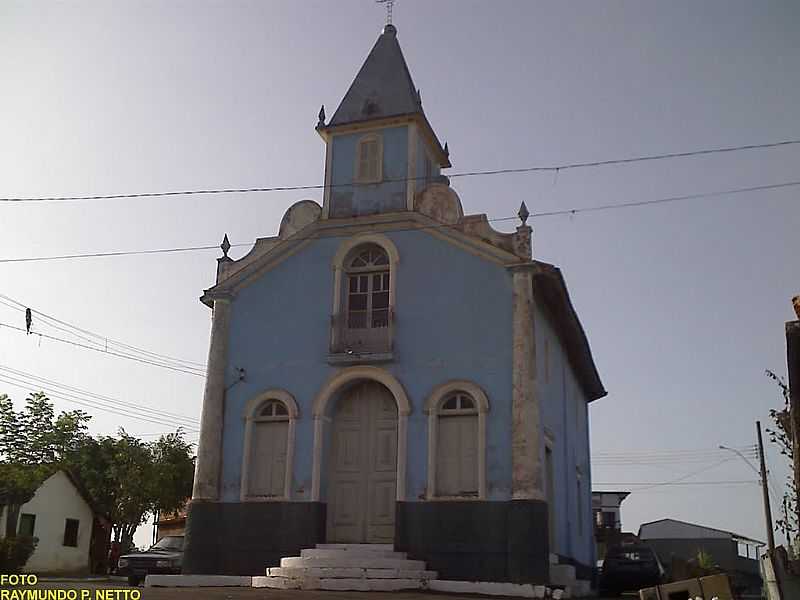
x: 565, y: 415
x: 388, y: 196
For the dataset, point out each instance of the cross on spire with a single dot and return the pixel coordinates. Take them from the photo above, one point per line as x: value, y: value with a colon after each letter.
x: 389, y: 5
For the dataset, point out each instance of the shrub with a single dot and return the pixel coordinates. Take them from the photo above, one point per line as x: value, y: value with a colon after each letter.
x: 15, y: 552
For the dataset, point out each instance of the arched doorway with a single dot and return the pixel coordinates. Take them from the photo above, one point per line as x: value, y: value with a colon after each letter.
x: 362, y: 465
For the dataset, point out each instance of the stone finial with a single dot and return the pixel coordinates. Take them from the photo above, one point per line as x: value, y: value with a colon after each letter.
x: 523, y: 214
x: 321, y: 122
x: 796, y: 304
x: 225, y: 245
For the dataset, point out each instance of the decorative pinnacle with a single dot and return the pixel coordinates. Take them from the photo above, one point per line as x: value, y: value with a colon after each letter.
x: 446, y: 149
x: 419, y: 97
x: 225, y: 245
x: 523, y: 214
x: 321, y: 122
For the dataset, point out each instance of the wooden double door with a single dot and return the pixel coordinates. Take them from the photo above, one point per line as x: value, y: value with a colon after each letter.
x: 362, y: 466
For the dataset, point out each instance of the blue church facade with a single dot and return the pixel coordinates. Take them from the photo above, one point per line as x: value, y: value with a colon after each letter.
x: 389, y: 370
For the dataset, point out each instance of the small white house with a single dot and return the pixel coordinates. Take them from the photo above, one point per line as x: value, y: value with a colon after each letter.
x: 60, y: 516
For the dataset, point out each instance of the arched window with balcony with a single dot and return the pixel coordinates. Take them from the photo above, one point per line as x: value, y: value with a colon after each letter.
x: 364, y: 292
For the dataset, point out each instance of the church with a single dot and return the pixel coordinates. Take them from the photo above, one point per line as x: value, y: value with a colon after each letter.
x: 393, y: 378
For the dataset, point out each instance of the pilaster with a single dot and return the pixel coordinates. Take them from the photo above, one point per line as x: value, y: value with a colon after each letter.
x: 209, y: 449
x: 526, y: 458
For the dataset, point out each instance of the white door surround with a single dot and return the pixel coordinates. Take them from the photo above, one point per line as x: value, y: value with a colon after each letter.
x: 321, y: 408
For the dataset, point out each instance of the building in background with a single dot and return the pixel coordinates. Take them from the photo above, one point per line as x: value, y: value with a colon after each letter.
x: 607, y: 519
x: 735, y: 554
x: 72, y: 535
x: 170, y: 524
x: 389, y: 370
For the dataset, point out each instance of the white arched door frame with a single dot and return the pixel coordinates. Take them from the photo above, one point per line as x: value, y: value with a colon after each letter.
x: 320, y: 414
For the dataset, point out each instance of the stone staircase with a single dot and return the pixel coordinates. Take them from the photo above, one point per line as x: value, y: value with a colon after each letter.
x: 352, y: 567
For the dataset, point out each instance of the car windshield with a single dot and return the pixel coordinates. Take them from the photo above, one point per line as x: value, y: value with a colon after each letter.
x: 170, y: 542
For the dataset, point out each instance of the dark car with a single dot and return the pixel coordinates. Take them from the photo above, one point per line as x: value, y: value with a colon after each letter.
x: 163, y: 558
x: 630, y: 567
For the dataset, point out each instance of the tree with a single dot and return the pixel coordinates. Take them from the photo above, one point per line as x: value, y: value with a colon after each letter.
x: 128, y: 479
x: 782, y: 437
x: 35, y: 435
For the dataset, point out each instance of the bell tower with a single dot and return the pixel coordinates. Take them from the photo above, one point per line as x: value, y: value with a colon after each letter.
x: 380, y: 148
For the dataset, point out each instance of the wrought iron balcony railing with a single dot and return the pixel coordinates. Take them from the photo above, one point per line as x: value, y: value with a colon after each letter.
x: 362, y: 332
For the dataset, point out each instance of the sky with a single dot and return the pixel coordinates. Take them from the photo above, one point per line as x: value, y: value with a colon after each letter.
x: 683, y: 303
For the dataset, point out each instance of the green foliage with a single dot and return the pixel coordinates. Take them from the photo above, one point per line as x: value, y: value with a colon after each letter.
x: 127, y: 479
x: 35, y: 435
x: 782, y: 437
x: 15, y: 552
x: 705, y: 561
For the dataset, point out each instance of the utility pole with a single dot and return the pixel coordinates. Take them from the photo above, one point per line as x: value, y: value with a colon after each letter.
x: 765, y: 491
x: 793, y: 368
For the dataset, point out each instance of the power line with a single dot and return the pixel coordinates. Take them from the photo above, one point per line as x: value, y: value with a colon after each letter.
x: 572, y: 211
x: 678, y: 481
x: 35, y: 381
x: 533, y: 169
x: 110, y: 352
x: 22, y: 384
x: 126, y: 348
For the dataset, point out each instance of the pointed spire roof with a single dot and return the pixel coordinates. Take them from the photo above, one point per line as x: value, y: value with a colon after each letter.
x: 383, y: 86
x: 383, y: 89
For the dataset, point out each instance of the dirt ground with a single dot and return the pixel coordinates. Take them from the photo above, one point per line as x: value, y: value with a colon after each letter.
x: 98, y: 591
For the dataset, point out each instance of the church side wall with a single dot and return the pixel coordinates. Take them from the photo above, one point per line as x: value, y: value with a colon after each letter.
x: 565, y: 418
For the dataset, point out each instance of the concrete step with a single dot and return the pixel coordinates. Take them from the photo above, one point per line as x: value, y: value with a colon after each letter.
x: 348, y: 573
x: 350, y: 553
x: 363, y: 562
x: 344, y: 584
x: 364, y: 547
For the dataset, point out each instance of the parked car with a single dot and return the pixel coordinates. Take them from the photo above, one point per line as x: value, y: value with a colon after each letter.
x: 630, y: 567
x: 162, y: 558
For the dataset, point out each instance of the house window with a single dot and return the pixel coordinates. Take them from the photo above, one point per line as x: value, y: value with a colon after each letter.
x: 71, y: 532
x: 368, y: 289
x: 27, y: 525
x: 269, y: 435
x: 268, y: 444
x: 457, y: 447
x: 369, y: 159
x: 609, y: 520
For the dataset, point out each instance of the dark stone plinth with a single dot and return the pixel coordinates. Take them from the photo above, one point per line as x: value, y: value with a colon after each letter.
x: 477, y: 540
x: 233, y: 538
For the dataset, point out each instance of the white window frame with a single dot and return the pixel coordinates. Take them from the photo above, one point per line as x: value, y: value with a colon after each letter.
x: 433, y: 409
x: 251, y: 416
x: 360, y: 177
x: 369, y: 271
x: 339, y: 265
